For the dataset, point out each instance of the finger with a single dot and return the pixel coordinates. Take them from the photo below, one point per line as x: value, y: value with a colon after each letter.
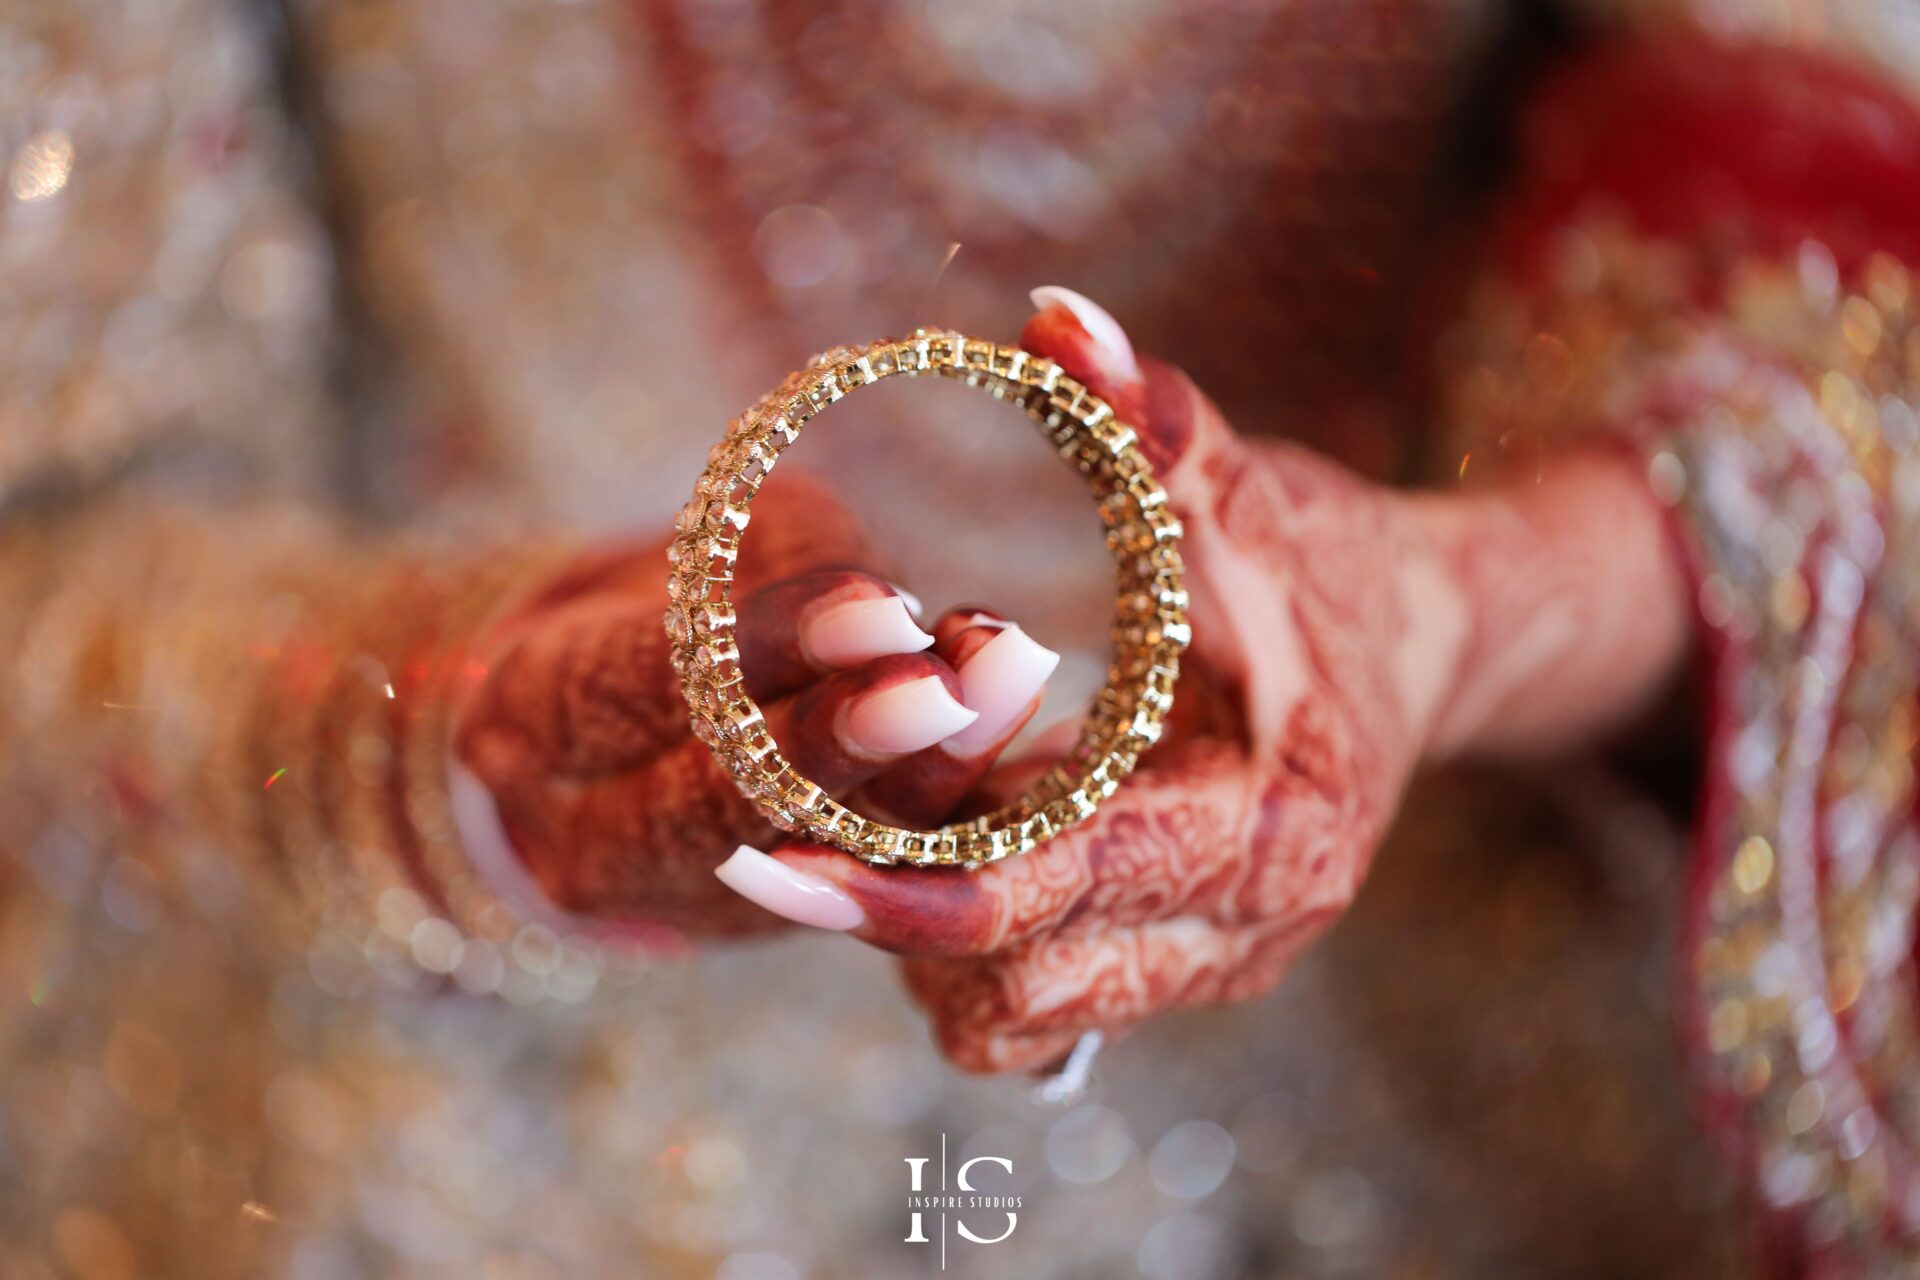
x: 1227, y: 507
x: 642, y: 845
x: 792, y: 630
x: 676, y: 818
x: 1174, y: 840
x: 802, y: 526
x: 841, y: 731
x: 1083, y: 338
x: 1183, y: 435
x: 1200, y: 836
x: 589, y: 689
x: 1196, y: 456
x: 580, y: 681
x: 1199, y: 832
x: 1003, y: 678
x: 1024, y: 1008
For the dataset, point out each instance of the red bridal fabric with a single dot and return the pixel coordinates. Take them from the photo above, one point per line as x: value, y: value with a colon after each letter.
x: 1709, y: 254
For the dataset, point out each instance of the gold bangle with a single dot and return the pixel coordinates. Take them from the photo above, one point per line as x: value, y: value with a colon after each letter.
x: 1150, y: 627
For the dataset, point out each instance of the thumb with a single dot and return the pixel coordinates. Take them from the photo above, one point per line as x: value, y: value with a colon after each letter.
x: 932, y: 911
x: 1180, y: 431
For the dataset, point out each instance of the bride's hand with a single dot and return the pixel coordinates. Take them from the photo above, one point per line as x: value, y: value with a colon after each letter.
x: 1342, y: 633
x: 580, y: 736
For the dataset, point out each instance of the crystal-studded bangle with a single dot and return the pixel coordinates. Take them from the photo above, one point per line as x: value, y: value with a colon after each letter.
x: 1150, y: 627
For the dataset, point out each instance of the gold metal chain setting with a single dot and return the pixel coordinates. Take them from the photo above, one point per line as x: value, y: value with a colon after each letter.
x: 1150, y: 625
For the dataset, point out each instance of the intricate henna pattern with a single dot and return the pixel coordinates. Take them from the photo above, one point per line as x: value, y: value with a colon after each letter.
x: 582, y: 690
x: 580, y: 733
x: 1365, y: 629
x: 1177, y: 893
x: 1344, y: 631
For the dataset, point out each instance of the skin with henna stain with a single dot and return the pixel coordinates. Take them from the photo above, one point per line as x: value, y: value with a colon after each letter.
x: 579, y: 734
x: 1343, y: 634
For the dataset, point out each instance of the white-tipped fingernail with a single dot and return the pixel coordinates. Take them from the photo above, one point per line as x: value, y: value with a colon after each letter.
x: 998, y: 681
x: 795, y: 895
x: 905, y: 718
x: 914, y: 606
x: 1100, y: 326
x: 845, y: 635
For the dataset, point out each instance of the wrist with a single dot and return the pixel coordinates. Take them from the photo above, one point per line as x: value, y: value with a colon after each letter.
x: 1575, y: 600
x: 1451, y: 622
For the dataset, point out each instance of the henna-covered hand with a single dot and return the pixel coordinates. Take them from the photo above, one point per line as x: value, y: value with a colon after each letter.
x: 1342, y: 633
x: 580, y: 736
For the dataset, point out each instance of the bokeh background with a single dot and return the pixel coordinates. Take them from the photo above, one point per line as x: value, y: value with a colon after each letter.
x: 496, y: 267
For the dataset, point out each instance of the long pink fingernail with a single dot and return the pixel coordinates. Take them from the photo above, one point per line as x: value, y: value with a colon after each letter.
x: 998, y: 682
x: 794, y: 895
x: 845, y: 635
x: 1099, y: 324
x: 905, y: 718
x: 914, y: 606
